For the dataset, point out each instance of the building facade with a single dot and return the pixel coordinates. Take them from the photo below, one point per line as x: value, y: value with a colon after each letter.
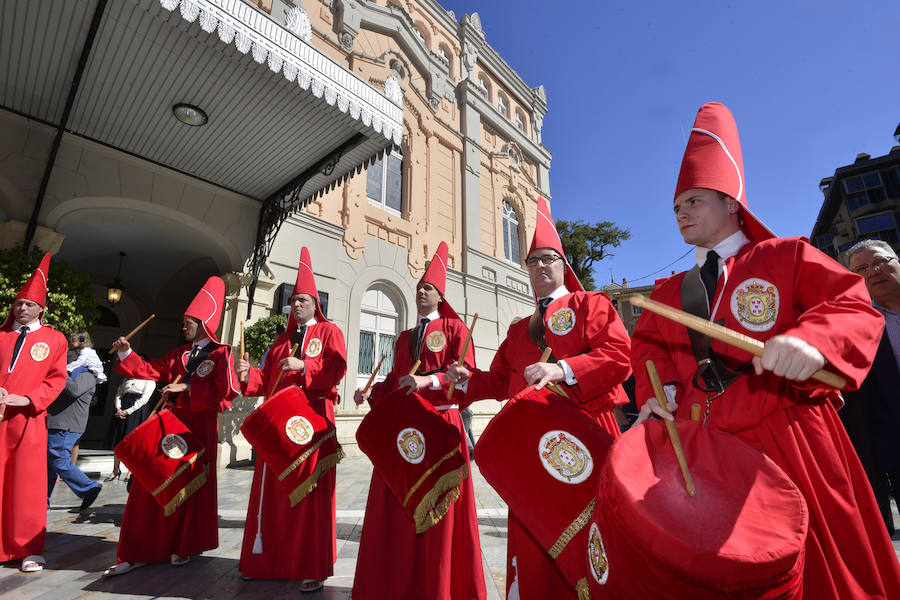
x: 367, y: 131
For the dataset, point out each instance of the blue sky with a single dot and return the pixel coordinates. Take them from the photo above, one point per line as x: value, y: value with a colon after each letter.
x: 811, y: 84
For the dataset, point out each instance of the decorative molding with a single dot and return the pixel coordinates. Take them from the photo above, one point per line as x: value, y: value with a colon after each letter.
x: 392, y: 90
x: 297, y: 22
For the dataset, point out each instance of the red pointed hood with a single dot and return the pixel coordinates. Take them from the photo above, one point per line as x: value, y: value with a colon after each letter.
x: 546, y: 236
x: 35, y: 289
x: 305, y: 284
x: 713, y: 160
x: 436, y: 275
x: 208, y: 305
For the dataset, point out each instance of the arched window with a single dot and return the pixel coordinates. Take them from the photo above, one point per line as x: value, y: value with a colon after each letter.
x: 384, y: 182
x: 420, y: 33
x: 378, y: 321
x: 485, y: 87
x: 520, y: 122
x: 502, y: 105
x: 442, y: 52
x: 511, y: 234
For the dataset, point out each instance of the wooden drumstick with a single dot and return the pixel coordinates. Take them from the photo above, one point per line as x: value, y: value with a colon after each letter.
x: 723, y: 334
x: 2, y: 411
x: 695, y: 412
x: 671, y: 428
x: 135, y: 330
x: 462, y: 356
x: 374, y: 373
x: 243, y: 376
x: 552, y: 385
x: 415, y: 368
x: 162, y: 399
x: 280, y: 373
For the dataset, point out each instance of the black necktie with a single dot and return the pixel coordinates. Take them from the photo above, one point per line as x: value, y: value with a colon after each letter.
x: 709, y: 275
x: 420, y: 336
x: 543, y: 303
x: 194, y: 352
x: 20, y: 341
x: 297, y: 337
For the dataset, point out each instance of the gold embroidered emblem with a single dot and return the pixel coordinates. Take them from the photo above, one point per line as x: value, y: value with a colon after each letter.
x: 436, y: 341
x: 40, y: 351
x: 205, y: 368
x: 562, y: 321
x: 174, y: 446
x: 754, y: 303
x: 565, y: 457
x: 299, y: 430
x: 411, y: 445
x: 314, y: 347
x: 597, y: 557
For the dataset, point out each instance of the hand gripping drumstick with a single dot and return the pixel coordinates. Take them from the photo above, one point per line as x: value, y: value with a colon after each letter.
x: 462, y: 356
x: 135, y: 330
x: 280, y: 373
x: 415, y: 368
x: 671, y: 428
x: 723, y: 334
x: 552, y: 385
x: 374, y: 373
x: 162, y: 399
x: 243, y: 376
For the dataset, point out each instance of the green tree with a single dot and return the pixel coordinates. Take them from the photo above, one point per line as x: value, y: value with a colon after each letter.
x: 70, y: 298
x: 259, y: 336
x: 586, y: 244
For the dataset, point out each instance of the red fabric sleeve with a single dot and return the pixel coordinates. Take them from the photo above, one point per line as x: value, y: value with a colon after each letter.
x: 607, y: 362
x: 493, y: 383
x: 254, y: 384
x: 135, y: 367
x: 324, y: 371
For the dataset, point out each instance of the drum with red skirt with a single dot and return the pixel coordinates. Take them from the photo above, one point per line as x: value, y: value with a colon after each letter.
x: 296, y: 442
x: 166, y: 459
x: 417, y: 454
x: 741, y: 536
x: 543, y: 457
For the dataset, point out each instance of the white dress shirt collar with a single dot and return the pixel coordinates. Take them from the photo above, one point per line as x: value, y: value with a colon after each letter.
x: 725, y: 249
x: 201, y: 343
x: 557, y: 293
x: 430, y: 316
x: 33, y: 326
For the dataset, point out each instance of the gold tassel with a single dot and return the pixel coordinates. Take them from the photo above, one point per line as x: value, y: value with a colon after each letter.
x: 310, y: 483
x: 584, y: 593
x: 306, y: 454
x: 437, y: 502
x: 185, y: 493
x: 179, y: 471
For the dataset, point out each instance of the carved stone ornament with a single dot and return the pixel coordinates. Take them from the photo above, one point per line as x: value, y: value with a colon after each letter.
x: 469, y: 58
x: 297, y: 22
x: 475, y: 20
x: 392, y: 90
x: 346, y: 39
x: 434, y: 103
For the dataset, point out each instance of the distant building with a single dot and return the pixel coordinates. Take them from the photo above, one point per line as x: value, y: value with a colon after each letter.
x: 619, y: 295
x: 862, y: 201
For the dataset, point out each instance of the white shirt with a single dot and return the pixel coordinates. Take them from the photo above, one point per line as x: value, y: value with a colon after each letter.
x: 556, y: 295
x: 435, y: 382
x: 725, y: 249
x: 33, y: 326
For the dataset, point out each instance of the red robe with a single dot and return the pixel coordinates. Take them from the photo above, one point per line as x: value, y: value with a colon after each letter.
x: 584, y: 329
x: 40, y: 374
x: 300, y: 542
x: 848, y: 554
x: 147, y: 535
x: 444, y: 563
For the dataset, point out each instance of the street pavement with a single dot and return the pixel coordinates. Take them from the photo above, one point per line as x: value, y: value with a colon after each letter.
x: 81, y: 546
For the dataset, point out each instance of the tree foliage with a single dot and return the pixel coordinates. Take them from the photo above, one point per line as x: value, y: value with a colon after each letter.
x: 260, y: 336
x: 586, y: 244
x: 71, y: 304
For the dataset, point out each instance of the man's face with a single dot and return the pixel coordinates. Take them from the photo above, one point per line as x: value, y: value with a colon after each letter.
x: 704, y: 218
x: 25, y: 311
x: 881, y: 272
x: 545, y: 277
x: 189, y: 328
x: 303, y: 308
x: 427, y: 298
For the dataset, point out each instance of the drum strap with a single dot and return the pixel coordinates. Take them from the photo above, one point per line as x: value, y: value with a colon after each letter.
x: 715, y: 375
x: 195, y: 360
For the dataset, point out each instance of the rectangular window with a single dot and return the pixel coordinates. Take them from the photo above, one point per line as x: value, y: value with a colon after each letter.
x: 514, y: 246
x: 384, y: 183
x: 857, y: 200
x: 366, y: 352
x: 323, y: 300
x: 374, y: 175
x: 394, y: 182
x: 386, y: 347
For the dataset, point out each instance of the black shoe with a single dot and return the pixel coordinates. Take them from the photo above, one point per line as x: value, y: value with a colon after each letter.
x: 89, y: 498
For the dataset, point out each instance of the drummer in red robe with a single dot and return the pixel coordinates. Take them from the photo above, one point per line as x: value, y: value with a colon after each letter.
x: 298, y: 543
x: 32, y: 374
x: 444, y: 562
x: 590, y: 360
x: 811, y: 313
x: 207, y: 387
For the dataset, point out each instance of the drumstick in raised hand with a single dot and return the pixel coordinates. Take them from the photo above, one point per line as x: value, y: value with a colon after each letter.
x: 280, y: 373
x: 552, y: 385
x: 162, y: 399
x: 374, y: 373
x: 415, y: 368
x: 135, y: 330
x: 671, y: 428
x: 462, y: 356
x: 243, y: 376
x: 723, y: 334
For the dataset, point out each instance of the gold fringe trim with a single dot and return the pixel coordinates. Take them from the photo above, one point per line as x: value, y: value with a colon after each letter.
x: 179, y: 471
x: 439, y: 499
x: 426, y: 474
x: 581, y: 588
x: 310, y: 483
x: 570, y: 531
x: 185, y: 493
x: 306, y: 454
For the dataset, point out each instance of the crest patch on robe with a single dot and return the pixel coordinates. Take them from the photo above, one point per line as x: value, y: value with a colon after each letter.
x: 754, y: 303
x: 314, y: 347
x: 562, y: 321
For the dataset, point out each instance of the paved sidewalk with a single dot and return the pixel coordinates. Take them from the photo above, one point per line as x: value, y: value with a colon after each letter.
x: 80, y: 547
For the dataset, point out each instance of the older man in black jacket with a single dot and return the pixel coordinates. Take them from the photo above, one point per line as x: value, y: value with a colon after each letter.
x: 66, y: 420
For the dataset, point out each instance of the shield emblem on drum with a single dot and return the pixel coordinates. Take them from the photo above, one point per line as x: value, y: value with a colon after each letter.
x: 597, y: 558
x: 174, y: 446
x: 411, y: 444
x: 565, y: 457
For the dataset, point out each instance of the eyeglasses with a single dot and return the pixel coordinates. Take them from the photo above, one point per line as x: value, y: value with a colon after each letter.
x: 873, y: 266
x: 545, y: 259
